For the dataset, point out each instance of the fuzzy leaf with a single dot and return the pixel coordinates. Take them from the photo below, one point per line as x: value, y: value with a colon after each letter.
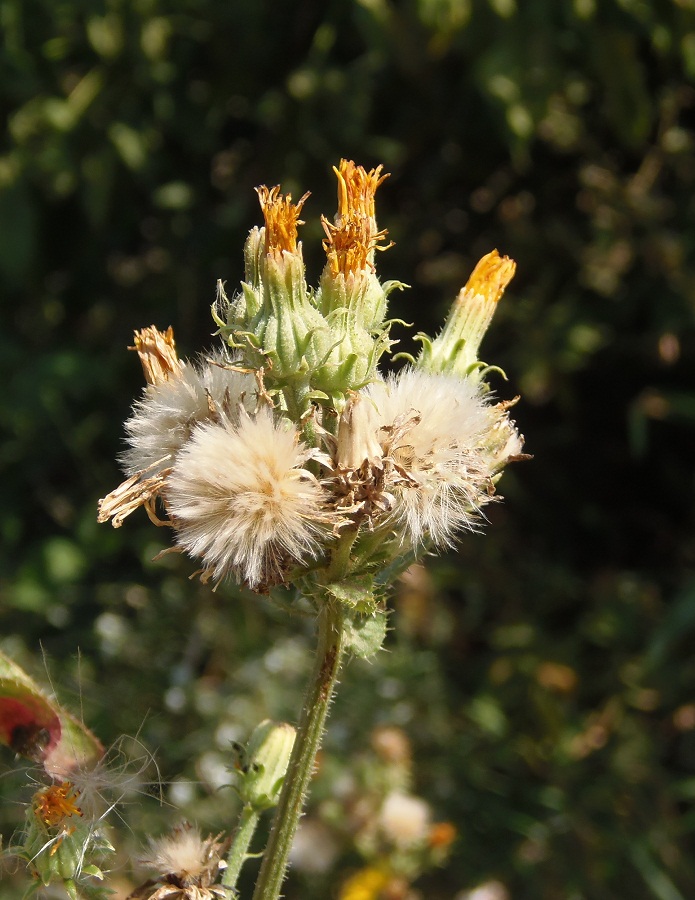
x: 356, y: 592
x: 365, y: 634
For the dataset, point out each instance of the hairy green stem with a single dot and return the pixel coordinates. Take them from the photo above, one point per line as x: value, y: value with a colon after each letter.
x: 341, y: 555
x: 238, y: 852
x: 331, y: 638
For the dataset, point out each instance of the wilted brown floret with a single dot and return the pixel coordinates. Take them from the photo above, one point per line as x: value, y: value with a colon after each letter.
x: 157, y: 352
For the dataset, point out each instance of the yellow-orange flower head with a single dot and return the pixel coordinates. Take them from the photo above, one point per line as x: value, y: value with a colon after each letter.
x: 353, y: 236
x: 281, y: 219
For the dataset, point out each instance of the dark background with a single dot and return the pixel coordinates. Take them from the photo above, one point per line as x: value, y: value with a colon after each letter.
x: 545, y: 671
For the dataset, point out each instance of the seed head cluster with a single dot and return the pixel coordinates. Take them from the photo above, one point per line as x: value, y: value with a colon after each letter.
x: 278, y: 449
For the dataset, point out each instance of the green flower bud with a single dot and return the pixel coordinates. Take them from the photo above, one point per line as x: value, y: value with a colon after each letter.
x: 359, y: 292
x: 349, y: 283
x: 268, y: 756
x: 312, y: 346
x: 254, y: 252
x: 354, y: 305
x: 274, y: 321
x: 455, y: 350
x: 234, y: 316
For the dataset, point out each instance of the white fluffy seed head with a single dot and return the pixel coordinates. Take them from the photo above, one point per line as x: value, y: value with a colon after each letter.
x: 241, y: 500
x: 182, y: 851
x: 164, y: 417
x: 437, y: 431
x: 185, y: 860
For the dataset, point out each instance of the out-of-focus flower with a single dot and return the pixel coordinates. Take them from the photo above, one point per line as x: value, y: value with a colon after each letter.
x: 367, y: 884
x: 404, y: 820
x: 441, y: 835
x: 314, y: 848
x: 490, y: 890
x: 391, y: 744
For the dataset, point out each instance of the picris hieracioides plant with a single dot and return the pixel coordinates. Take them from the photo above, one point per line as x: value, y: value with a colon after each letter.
x: 286, y: 449
x: 286, y: 458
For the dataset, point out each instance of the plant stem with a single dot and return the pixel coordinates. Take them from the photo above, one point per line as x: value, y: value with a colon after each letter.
x: 341, y: 556
x: 240, y: 845
x: 309, y: 735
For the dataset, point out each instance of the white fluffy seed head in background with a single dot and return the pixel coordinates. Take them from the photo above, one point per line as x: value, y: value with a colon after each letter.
x: 164, y: 417
x: 241, y: 501
x: 404, y: 820
x: 490, y: 890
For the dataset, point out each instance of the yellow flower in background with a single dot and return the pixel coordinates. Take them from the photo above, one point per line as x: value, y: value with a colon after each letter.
x: 366, y: 884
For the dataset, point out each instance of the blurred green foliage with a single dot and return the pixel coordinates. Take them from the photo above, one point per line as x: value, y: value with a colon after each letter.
x: 545, y: 674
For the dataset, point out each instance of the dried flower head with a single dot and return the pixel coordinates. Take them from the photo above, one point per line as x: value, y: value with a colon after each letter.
x: 353, y: 236
x: 241, y: 500
x: 435, y: 433
x: 157, y: 353
x: 177, y: 397
x: 166, y: 414
x: 187, y: 865
x: 281, y: 219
